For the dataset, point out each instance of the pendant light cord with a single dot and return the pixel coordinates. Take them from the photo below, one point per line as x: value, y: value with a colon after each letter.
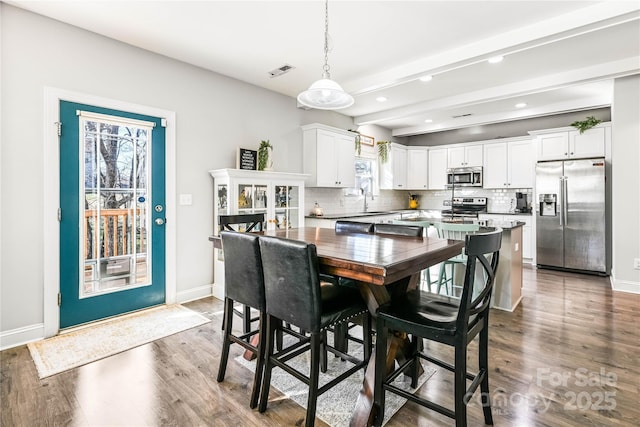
x: 325, y: 73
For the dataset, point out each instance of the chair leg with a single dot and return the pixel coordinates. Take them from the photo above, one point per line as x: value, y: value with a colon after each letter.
x: 226, y: 343
x: 257, y: 377
x: 460, y: 385
x: 268, y: 365
x: 380, y: 374
x: 483, y: 364
x: 323, y: 351
x: 366, y: 336
x: 314, y: 373
x: 246, y: 319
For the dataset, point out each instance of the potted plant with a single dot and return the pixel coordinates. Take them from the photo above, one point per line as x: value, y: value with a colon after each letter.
x: 383, y: 150
x: 586, y: 124
x: 265, y: 162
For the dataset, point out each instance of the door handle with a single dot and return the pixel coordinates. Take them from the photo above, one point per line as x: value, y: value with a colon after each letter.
x: 561, y: 201
x: 159, y: 221
x: 565, y: 202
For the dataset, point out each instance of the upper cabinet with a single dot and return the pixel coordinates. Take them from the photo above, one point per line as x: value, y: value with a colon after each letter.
x: 437, y: 168
x: 328, y: 156
x: 465, y: 156
x: 393, y: 172
x: 417, y: 170
x: 508, y: 164
x: 568, y: 143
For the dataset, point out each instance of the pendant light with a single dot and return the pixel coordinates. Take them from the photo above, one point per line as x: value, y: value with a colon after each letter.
x: 325, y: 94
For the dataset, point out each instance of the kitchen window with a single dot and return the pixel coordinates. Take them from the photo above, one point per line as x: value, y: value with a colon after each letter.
x: 367, y: 175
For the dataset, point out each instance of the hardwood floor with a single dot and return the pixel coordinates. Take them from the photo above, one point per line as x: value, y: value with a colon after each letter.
x: 568, y: 356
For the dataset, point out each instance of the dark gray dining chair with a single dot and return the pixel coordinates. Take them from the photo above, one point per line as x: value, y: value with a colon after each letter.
x: 294, y: 295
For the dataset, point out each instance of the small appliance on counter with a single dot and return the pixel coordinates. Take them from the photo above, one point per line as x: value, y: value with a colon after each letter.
x: 413, y: 201
x: 316, y: 210
x: 522, y: 204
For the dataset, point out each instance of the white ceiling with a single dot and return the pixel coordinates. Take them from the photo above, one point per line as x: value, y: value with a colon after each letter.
x: 558, y: 55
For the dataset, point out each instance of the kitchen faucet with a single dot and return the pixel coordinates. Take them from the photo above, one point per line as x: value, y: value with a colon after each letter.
x: 364, y: 193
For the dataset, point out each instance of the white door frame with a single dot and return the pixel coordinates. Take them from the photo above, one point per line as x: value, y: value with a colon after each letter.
x: 51, y: 196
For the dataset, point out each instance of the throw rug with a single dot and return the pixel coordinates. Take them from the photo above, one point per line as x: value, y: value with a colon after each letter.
x: 96, y: 341
x: 336, y: 405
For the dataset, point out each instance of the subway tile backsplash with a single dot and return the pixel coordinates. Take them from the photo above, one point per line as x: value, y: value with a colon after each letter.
x: 337, y: 201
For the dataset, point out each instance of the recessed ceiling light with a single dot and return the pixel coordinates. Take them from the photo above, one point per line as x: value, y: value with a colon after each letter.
x: 428, y: 121
x: 426, y: 78
x: 521, y: 105
x: 495, y: 59
x: 381, y: 99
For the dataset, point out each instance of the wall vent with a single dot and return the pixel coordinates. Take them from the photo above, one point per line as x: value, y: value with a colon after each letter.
x: 281, y: 70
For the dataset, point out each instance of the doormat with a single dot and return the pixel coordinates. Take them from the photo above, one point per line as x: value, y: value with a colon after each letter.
x: 336, y: 405
x: 96, y: 341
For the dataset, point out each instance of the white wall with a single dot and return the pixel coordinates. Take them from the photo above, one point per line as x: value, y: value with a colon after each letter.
x: 625, y: 160
x: 214, y: 115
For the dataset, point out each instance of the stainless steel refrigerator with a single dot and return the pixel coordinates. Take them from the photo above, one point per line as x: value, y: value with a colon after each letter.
x: 571, y: 215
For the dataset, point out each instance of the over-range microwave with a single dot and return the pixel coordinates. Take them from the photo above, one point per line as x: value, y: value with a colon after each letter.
x: 464, y: 177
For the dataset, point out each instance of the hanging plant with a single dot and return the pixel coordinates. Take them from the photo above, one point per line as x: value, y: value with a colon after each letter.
x: 383, y: 150
x: 586, y: 124
x: 358, y: 141
x: 264, y: 152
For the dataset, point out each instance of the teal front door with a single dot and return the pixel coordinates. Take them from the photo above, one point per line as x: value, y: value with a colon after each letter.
x: 112, y: 213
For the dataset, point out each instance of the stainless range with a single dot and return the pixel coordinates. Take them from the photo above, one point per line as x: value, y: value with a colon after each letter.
x: 464, y: 207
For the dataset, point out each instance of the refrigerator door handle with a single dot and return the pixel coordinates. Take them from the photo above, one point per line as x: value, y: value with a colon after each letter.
x: 565, y: 202
x: 561, y: 201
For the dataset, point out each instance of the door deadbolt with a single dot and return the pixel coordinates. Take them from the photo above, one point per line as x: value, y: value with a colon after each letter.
x: 158, y: 208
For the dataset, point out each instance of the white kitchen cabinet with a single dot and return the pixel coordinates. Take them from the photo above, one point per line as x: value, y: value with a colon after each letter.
x: 568, y: 143
x: 328, y: 156
x: 508, y: 164
x: 393, y: 173
x: 417, y: 168
x: 437, y: 169
x: 464, y: 156
x: 280, y: 196
x: 528, y: 232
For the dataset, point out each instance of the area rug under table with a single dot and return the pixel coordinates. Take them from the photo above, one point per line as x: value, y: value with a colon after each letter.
x: 97, y: 341
x: 336, y: 405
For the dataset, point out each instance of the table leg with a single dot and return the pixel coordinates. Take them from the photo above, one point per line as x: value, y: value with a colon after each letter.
x: 398, y: 348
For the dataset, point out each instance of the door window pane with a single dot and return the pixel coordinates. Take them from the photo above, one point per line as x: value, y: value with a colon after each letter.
x: 114, y: 199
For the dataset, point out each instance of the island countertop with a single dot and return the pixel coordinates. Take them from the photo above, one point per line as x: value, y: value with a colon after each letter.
x: 505, y: 225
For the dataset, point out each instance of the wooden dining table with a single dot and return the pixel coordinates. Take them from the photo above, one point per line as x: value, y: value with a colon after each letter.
x: 384, y: 266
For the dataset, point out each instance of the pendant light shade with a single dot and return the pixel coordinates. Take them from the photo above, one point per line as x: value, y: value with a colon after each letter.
x: 325, y: 94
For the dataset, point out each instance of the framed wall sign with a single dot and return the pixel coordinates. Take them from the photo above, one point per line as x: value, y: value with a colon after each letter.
x: 247, y: 159
x: 366, y: 140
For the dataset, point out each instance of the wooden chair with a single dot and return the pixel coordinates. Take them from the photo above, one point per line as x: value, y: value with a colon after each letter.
x: 294, y: 295
x: 455, y: 231
x: 451, y: 321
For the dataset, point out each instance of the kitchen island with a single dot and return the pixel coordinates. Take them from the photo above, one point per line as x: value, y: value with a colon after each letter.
x: 507, y: 291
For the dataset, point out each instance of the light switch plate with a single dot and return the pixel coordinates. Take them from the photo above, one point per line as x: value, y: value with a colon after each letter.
x: 185, y: 199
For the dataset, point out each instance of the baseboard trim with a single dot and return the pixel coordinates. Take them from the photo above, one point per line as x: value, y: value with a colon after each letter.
x: 625, y: 286
x: 21, y: 336
x: 194, y: 294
